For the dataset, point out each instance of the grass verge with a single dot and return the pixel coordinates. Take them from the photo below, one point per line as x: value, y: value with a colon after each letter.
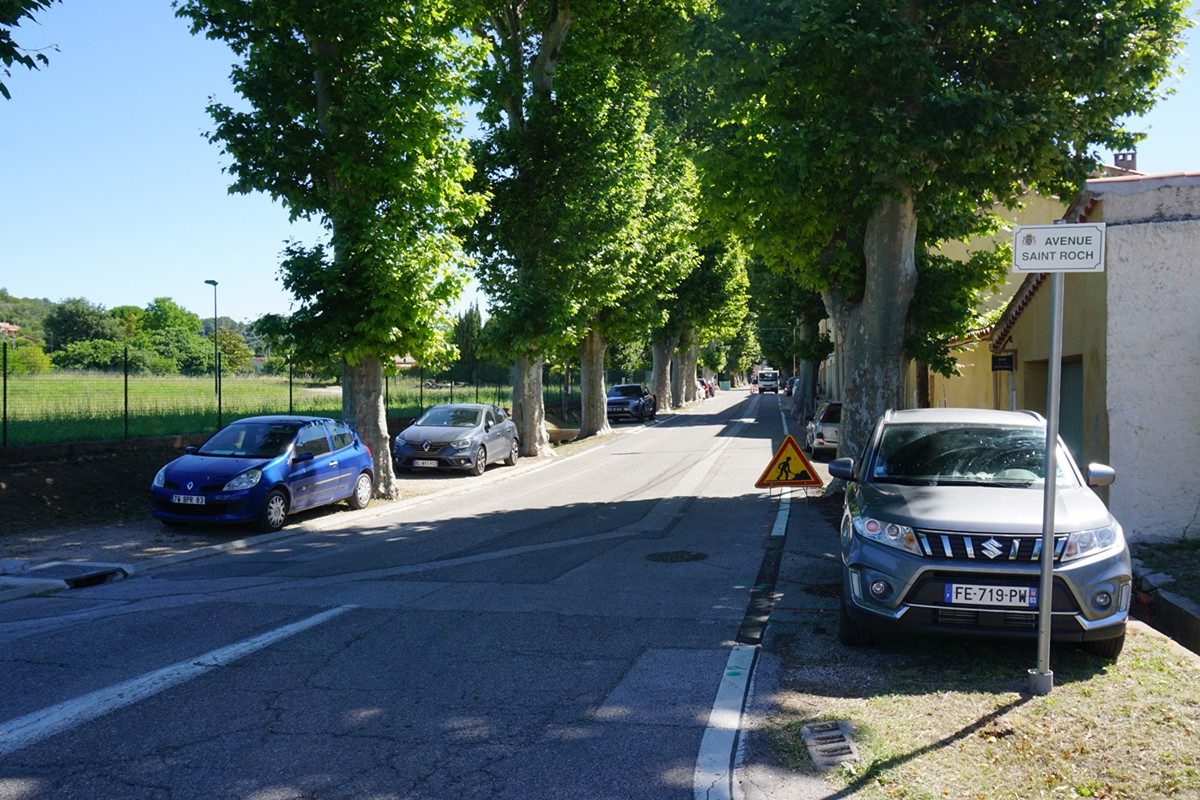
x: 941, y: 718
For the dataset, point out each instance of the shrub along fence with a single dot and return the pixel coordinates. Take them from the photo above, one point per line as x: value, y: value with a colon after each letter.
x: 74, y: 406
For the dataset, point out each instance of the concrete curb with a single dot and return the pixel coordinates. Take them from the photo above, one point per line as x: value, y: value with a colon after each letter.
x: 12, y: 588
x: 1165, y: 611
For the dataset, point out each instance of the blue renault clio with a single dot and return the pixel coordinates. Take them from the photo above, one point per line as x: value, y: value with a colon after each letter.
x: 261, y: 469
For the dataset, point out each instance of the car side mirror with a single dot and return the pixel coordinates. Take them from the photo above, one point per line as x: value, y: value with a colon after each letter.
x: 305, y: 456
x: 189, y: 449
x: 842, y: 468
x: 1100, y: 475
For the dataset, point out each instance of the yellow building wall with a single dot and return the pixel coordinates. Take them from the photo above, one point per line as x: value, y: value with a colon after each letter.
x: 1085, y: 312
x: 973, y: 387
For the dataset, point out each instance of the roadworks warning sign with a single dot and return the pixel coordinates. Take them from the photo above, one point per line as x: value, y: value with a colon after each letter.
x: 789, y: 467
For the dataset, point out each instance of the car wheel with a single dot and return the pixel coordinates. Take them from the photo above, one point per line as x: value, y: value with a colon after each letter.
x: 851, y: 633
x: 274, y: 511
x: 513, y: 454
x: 361, y: 496
x: 1107, y: 649
x: 641, y: 415
x: 480, y: 461
x: 654, y: 412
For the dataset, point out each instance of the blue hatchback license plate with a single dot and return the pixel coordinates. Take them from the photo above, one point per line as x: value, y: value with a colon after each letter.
x: 971, y: 594
x: 188, y: 499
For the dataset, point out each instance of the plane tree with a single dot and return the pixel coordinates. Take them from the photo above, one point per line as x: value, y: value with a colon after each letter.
x: 565, y: 157
x: 11, y: 14
x: 848, y: 136
x: 351, y: 116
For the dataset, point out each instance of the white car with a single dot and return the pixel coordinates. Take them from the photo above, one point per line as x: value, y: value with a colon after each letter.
x: 821, y: 432
x: 768, y: 381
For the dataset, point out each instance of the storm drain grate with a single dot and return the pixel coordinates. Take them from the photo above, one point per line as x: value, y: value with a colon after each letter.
x: 81, y: 574
x: 829, y: 743
x: 675, y: 556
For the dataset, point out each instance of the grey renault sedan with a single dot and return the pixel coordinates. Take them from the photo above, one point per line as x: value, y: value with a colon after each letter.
x: 942, y: 533
x: 459, y: 436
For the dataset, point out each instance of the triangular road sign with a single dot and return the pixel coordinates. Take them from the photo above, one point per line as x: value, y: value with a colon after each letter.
x: 789, y: 467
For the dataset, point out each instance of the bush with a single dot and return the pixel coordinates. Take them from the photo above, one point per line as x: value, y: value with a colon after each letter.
x: 28, y: 359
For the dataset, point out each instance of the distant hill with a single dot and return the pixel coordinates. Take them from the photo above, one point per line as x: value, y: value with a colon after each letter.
x: 28, y: 312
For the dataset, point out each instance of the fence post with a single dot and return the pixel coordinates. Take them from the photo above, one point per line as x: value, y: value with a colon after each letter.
x: 5, y: 402
x: 421, y: 392
x: 126, y: 391
x: 475, y: 378
x: 452, y: 386
x: 290, y: 368
x: 387, y: 394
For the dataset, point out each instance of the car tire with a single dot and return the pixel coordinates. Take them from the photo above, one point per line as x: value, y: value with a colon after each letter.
x: 1108, y: 649
x: 641, y: 415
x: 360, y: 498
x: 480, y: 461
x: 274, y: 511
x: 654, y: 412
x: 851, y: 633
x: 514, y: 453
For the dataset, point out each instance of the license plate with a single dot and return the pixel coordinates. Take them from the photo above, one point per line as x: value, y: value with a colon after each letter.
x: 424, y: 462
x: 971, y: 594
x: 188, y: 499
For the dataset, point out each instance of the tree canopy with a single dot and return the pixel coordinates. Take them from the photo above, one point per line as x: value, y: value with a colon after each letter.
x: 11, y: 14
x: 844, y: 136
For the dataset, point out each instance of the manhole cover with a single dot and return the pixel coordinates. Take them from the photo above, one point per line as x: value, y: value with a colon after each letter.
x: 824, y: 589
x: 673, y: 556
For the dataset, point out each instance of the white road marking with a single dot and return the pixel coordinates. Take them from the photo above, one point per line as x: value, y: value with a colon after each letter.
x: 781, y: 519
x: 713, y: 778
x: 32, y: 728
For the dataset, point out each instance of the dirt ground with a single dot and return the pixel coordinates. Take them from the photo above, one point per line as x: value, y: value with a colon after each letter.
x: 84, y: 490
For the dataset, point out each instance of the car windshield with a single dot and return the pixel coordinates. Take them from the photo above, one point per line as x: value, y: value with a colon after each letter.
x: 625, y: 391
x: 957, y: 454
x: 450, y: 417
x: 251, y: 440
x: 832, y: 415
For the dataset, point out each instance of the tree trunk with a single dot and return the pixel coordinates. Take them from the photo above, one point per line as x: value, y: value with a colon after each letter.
x: 365, y: 386
x: 804, y: 393
x: 923, y: 399
x: 691, y: 356
x: 593, y: 412
x: 870, y: 341
x: 677, y: 397
x: 528, y: 411
x: 663, y: 347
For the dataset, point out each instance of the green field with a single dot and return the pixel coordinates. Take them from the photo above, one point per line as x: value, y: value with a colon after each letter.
x: 76, y: 406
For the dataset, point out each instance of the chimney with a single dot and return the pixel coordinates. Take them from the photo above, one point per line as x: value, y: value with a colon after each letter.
x: 1126, y: 160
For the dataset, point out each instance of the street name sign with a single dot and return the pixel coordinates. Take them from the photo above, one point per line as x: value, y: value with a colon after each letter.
x: 1059, y: 248
x: 789, y: 467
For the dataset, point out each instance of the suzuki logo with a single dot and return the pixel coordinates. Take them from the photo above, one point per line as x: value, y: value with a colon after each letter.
x: 992, y: 549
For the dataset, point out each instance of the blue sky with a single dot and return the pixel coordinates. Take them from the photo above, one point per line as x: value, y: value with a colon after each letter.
x: 110, y: 191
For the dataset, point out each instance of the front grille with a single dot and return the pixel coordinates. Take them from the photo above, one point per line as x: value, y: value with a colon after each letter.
x: 985, y: 547
x: 985, y: 618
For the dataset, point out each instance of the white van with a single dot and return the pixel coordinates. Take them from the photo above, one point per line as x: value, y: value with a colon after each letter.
x: 768, y: 380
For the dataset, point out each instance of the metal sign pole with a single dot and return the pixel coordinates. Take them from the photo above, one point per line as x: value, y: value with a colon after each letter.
x: 1041, y: 679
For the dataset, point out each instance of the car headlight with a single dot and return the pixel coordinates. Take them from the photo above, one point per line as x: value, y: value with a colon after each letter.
x: 246, y: 480
x: 161, y: 478
x: 901, y: 537
x: 1086, y: 543
x: 459, y: 444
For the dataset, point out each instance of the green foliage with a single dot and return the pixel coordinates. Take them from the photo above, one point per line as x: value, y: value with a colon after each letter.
x: 129, y: 320
x: 236, y: 357
x: 163, y: 314
x: 815, y: 111
x: 77, y: 320
x: 351, y: 116
x: 178, y: 350
x: 570, y: 157
x: 11, y: 14
x: 108, y: 355
x: 744, y: 350
x: 785, y: 310
x: 468, y: 330
x: 27, y: 359
x: 945, y: 289
x: 275, y: 365
x: 28, y: 313
x: 629, y: 357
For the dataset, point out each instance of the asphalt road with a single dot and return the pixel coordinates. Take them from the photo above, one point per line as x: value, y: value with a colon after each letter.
x: 541, y: 637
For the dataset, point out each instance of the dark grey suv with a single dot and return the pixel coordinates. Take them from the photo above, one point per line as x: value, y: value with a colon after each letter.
x: 942, y: 533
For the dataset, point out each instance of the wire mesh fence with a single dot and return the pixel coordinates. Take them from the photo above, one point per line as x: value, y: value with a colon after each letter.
x: 61, y: 406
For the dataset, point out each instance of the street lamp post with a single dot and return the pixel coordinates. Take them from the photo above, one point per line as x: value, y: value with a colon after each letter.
x: 216, y: 353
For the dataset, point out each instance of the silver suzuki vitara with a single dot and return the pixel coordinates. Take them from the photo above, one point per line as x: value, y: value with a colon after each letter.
x: 942, y: 533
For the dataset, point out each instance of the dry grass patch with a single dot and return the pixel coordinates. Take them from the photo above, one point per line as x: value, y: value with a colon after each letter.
x: 939, y: 718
